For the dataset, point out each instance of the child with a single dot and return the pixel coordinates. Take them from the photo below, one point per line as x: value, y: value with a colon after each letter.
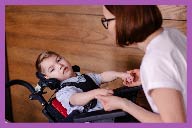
x: 78, y: 90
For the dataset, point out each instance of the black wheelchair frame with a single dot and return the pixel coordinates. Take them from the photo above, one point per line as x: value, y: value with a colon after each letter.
x: 54, y: 115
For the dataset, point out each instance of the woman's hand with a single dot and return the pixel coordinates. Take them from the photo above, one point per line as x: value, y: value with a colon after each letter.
x: 112, y: 102
x: 136, y: 78
x: 84, y: 97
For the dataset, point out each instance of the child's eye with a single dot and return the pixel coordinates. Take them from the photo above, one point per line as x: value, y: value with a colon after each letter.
x: 58, y: 59
x: 52, y: 70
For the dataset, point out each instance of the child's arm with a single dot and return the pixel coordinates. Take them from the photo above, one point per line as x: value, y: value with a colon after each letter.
x: 84, y: 97
x: 112, y: 75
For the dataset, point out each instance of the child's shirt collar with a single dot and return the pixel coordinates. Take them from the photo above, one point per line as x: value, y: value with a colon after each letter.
x: 79, y: 78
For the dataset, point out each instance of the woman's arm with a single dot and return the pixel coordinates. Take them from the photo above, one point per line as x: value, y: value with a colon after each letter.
x: 113, y: 103
x: 168, y: 101
x: 170, y: 104
x: 84, y: 97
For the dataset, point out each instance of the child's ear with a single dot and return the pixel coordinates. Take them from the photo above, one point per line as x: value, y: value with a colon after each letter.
x: 46, y: 77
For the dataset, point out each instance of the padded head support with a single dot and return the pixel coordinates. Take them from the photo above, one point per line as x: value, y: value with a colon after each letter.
x: 76, y: 68
x: 52, y: 83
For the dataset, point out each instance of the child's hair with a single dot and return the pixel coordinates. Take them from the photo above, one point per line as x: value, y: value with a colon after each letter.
x: 41, y: 57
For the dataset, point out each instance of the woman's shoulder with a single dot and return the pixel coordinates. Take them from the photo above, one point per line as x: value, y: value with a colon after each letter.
x: 174, y: 32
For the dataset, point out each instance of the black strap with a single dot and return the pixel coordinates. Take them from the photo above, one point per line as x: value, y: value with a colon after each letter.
x: 90, y: 105
x: 85, y: 86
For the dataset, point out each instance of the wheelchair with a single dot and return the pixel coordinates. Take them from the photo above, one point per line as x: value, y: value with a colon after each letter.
x: 55, y: 112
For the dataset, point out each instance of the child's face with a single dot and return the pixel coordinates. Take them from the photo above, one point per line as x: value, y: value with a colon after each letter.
x: 56, y: 67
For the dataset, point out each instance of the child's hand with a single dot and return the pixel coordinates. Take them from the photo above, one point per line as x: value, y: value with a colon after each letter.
x: 136, y: 78
x: 103, y: 92
x: 127, y: 78
x: 112, y: 102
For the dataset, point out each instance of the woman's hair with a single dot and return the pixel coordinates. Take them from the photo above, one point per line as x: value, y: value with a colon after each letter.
x: 41, y: 57
x: 134, y: 23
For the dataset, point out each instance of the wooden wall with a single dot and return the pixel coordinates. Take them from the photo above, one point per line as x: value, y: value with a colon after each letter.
x: 74, y: 32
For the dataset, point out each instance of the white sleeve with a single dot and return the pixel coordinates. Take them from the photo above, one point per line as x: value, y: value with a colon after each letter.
x: 96, y: 78
x: 63, y: 96
x: 160, y: 72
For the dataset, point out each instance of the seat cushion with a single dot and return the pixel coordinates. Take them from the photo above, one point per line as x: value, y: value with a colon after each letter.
x: 57, y: 105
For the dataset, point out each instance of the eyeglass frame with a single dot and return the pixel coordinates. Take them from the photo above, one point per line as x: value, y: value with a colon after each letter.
x: 103, y: 20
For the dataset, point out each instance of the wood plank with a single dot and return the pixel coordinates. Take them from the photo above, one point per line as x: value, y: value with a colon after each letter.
x: 82, y: 28
x: 180, y: 25
x: 54, y: 27
x: 176, y: 12
x: 25, y: 110
x: 72, y: 9
x: 104, y: 59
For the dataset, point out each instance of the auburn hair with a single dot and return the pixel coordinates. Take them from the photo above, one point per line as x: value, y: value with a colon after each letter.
x: 134, y: 23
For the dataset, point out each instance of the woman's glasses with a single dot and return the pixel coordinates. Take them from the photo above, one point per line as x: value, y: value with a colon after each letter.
x: 105, y: 21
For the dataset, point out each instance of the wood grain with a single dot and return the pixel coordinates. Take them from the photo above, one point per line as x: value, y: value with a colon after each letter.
x: 174, y: 12
x: 76, y: 33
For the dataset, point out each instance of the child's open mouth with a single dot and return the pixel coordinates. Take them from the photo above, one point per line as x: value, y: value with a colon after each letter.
x: 64, y: 70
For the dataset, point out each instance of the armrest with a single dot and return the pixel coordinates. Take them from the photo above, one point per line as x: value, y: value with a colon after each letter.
x: 127, y: 92
x: 101, y: 115
x: 98, y: 116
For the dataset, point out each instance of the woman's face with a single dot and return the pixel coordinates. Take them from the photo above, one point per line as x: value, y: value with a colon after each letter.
x: 111, y: 24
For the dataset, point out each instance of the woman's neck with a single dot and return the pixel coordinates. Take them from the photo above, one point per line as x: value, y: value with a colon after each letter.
x: 143, y: 45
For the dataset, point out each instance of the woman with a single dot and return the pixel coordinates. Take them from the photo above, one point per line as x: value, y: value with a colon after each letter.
x: 162, y: 72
